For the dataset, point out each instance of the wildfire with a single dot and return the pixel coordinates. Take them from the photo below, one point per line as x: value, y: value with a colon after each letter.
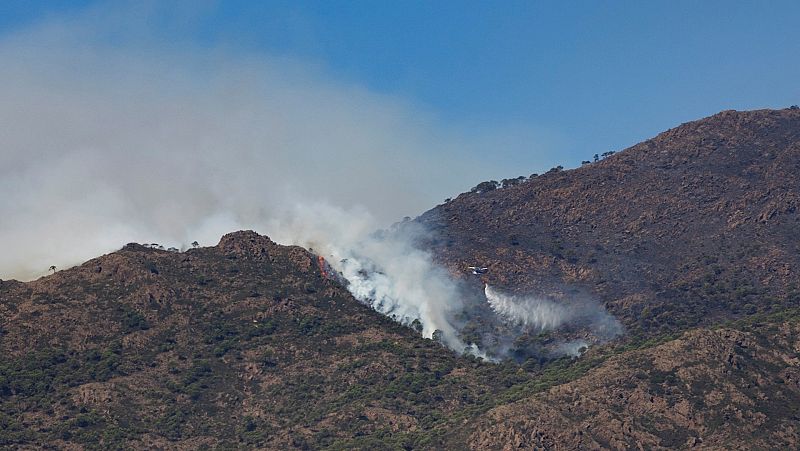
x: 323, y: 266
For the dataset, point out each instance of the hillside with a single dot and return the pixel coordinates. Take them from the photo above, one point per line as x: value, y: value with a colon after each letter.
x: 239, y: 345
x: 731, y: 388
x: 688, y: 238
x: 692, y: 227
x: 246, y: 345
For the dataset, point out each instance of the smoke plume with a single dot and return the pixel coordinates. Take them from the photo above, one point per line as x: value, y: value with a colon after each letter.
x: 383, y: 269
x: 541, y: 315
x: 538, y: 314
x: 108, y: 138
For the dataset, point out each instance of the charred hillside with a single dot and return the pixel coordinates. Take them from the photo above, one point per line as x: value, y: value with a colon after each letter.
x: 694, y: 226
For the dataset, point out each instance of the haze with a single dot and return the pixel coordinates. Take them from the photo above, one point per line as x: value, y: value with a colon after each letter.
x: 104, y: 145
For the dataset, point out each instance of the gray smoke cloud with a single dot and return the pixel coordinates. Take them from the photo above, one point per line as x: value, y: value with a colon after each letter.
x: 104, y: 144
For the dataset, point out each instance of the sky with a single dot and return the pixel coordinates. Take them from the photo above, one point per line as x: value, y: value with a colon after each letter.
x: 177, y: 121
x: 583, y: 77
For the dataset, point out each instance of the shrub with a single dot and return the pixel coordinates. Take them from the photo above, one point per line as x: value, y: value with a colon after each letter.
x: 133, y: 321
x: 308, y: 325
x: 484, y: 187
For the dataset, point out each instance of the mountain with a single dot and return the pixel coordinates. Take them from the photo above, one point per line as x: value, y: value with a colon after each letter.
x: 239, y: 345
x: 688, y: 239
x: 695, y: 226
x: 729, y: 388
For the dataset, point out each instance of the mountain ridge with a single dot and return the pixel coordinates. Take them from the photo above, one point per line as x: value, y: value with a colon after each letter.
x: 656, y: 224
x: 688, y: 238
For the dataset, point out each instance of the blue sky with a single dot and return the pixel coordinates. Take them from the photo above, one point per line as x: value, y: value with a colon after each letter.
x: 590, y: 76
x: 170, y: 122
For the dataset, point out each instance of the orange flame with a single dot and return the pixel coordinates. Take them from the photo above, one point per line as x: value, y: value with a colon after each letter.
x: 322, y: 266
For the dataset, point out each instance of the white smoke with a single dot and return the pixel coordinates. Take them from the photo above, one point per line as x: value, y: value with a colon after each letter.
x: 103, y: 144
x: 574, y: 348
x: 534, y: 313
x: 383, y: 269
x: 542, y: 315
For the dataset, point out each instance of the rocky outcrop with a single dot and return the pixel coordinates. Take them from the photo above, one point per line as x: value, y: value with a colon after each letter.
x: 248, y: 244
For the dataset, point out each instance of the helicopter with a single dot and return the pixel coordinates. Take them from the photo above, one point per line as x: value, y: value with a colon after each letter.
x: 477, y: 270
